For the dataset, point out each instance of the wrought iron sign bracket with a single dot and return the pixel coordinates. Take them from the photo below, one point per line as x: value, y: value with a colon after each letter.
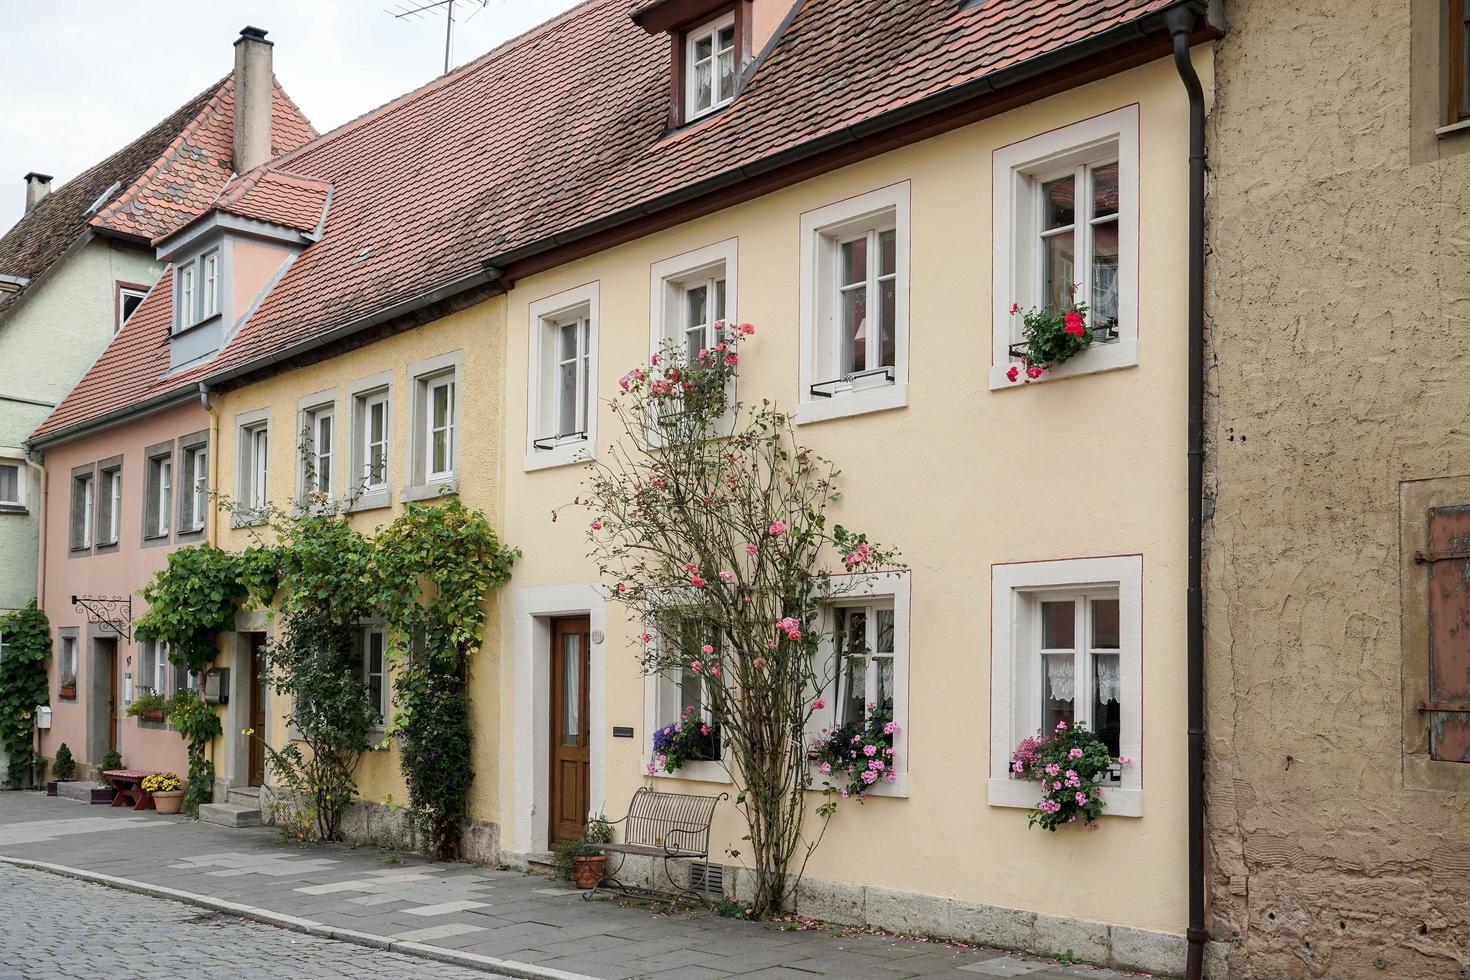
x: 114, y: 612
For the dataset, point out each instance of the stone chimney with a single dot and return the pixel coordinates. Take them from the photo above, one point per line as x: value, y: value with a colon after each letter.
x: 254, y: 78
x: 37, y: 187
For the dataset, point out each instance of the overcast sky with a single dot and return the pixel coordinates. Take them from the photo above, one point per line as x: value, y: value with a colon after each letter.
x: 81, y: 78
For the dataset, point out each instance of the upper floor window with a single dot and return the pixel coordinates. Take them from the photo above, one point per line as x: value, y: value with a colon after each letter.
x: 253, y: 480
x: 691, y: 294
x: 1065, y: 231
x: 563, y: 393
x: 194, y: 487
x: 434, y: 433
x: 318, y: 448
x: 12, y: 483
x: 159, y: 488
x: 83, y: 504
x: 129, y: 298
x: 855, y: 282
x: 371, y: 460
x: 197, y: 294
x: 109, y: 504
x: 709, y: 65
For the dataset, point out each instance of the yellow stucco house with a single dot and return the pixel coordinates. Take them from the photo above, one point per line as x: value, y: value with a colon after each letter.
x: 443, y: 293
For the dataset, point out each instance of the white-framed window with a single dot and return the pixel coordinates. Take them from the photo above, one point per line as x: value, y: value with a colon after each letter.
x: 372, y: 643
x: 864, y: 656
x: 153, y: 666
x: 129, y: 298
x: 253, y: 480
x: 195, y: 487
x: 184, y: 681
x: 690, y: 294
x: 209, y: 284
x: 1066, y: 223
x: 83, y: 507
x: 372, y: 408
x: 66, y: 663
x: 1066, y: 645
x: 671, y: 696
x: 109, y: 515
x: 12, y: 483
x: 318, y: 449
x: 187, y: 296
x: 160, y: 490
x: 710, y: 53
x: 855, y: 305
x: 561, y: 421
x: 434, y: 411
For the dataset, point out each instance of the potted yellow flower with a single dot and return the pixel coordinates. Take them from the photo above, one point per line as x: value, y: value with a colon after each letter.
x: 166, y: 789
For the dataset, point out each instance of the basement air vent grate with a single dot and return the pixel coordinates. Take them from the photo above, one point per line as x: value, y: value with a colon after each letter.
x: 707, y: 877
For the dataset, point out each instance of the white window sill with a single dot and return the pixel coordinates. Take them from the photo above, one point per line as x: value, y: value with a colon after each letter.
x: 446, y: 487
x: 859, y: 402
x: 567, y: 453
x: 698, y: 772
x: 1453, y: 128
x: 248, y: 518
x: 1025, y: 794
x: 898, y: 789
x: 1103, y: 357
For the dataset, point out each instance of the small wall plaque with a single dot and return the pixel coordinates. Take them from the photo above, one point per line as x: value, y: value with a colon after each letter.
x: 622, y: 731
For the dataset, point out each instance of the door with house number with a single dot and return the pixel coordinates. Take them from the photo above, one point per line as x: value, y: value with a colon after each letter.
x: 570, y: 732
x: 258, y: 698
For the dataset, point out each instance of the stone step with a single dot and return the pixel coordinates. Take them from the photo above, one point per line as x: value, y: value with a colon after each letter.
x: 542, y: 863
x: 244, y: 796
x: 76, y: 789
x: 230, y: 815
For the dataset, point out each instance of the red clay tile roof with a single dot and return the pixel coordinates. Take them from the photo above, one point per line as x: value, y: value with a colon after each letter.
x: 183, y: 182
x: 281, y: 198
x: 566, y: 125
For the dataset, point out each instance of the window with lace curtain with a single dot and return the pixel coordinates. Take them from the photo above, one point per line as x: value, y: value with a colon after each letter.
x: 1067, y: 640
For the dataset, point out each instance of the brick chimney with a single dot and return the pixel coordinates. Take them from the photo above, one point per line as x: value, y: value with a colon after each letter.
x: 254, y: 76
x: 37, y: 187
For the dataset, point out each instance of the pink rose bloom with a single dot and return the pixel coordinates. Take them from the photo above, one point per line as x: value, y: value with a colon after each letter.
x: 827, y: 768
x: 720, y: 347
x: 704, y: 729
x: 596, y: 525
x: 654, y: 359
x: 751, y: 549
x: 659, y: 482
x: 622, y: 587
x: 726, y: 575
x: 707, y: 649
x: 870, y: 750
x: 770, y: 644
x: 696, y: 665
x: 647, y: 638
x: 690, y: 567
x: 777, y: 528
x: 1075, y: 754
x: 703, y: 354
x: 732, y: 359
x: 714, y: 671
x: 696, y: 581
x: 747, y: 329
x: 760, y: 663
x: 623, y: 382
x: 819, y: 704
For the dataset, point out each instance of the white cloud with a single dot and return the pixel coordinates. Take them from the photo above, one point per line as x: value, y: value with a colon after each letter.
x: 81, y: 78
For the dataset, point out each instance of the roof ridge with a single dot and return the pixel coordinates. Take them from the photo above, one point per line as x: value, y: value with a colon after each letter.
x: 169, y: 152
x: 436, y: 83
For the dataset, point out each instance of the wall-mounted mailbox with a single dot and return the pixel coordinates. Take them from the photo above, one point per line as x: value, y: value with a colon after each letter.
x: 43, y: 717
x: 622, y: 731
x: 217, y: 685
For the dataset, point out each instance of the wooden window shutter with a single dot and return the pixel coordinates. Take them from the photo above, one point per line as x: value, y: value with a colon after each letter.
x: 1448, y: 707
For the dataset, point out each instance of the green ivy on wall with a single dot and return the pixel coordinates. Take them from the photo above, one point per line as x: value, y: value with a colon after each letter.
x: 22, y: 687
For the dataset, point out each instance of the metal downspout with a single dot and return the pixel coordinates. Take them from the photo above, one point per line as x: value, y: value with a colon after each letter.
x: 209, y: 522
x: 41, y: 531
x: 1180, y: 22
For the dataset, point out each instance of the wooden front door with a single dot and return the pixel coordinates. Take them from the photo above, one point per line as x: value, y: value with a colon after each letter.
x: 257, y: 709
x: 107, y: 657
x: 570, y: 734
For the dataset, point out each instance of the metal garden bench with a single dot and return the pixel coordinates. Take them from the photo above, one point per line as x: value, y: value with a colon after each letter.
x: 671, y: 826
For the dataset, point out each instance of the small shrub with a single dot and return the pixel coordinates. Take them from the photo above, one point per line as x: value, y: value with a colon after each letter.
x: 64, y: 767
x: 112, y: 760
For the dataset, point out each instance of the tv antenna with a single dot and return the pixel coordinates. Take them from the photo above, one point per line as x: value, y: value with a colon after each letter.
x: 414, y: 9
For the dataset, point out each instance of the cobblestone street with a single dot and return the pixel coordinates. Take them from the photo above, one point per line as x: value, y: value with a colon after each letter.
x: 55, y: 927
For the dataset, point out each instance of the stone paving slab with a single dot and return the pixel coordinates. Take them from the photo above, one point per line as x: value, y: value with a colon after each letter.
x: 518, y: 924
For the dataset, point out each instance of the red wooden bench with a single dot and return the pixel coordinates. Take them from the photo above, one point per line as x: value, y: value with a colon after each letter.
x: 129, y: 786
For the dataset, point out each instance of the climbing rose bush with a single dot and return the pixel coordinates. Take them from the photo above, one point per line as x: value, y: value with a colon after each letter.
x: 1070, y: 763
x: 710, y: 523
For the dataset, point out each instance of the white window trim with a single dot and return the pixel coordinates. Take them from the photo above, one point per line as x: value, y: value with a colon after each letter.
x: 710, y: 28
x: 153, y: 655
x: 1011, y: 183
x: 385, y: 700
x: 896, y: 587
x: 66, y: 662
x: 164, y: 488
x: 114, y: 505
x: 20, y: 481
x: 424, y: 375
x: 310, y: 409
x: 247, y: 511
x: 666, y: 287
x: 1011, y: 592
x: 198, y: 496
x: 89, y: 505
x: 361, y: 395
x: 817, y: 228
x: 123, y: 293
x: 657, y: 689
x: 584, y: 300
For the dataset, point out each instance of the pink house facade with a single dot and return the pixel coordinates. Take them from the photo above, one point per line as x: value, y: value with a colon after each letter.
x: 117, y: 502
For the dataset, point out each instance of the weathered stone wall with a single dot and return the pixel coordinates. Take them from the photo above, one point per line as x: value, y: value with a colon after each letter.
x: 1339, y: 293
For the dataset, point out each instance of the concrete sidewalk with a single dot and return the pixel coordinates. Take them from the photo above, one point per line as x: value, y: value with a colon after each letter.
x: 503, y: 921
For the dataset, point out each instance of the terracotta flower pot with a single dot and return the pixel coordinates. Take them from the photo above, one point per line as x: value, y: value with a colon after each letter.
x: 169, y: 802
x: 69, y: 692
x: 587, y: 870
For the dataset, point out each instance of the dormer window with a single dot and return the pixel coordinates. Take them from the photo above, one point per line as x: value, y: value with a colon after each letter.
x: 199, y: 285
x: 709, y: 72
x: 712, y: 45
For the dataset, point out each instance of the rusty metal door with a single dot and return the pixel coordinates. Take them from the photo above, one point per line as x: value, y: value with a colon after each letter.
x: 1448, y: 707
